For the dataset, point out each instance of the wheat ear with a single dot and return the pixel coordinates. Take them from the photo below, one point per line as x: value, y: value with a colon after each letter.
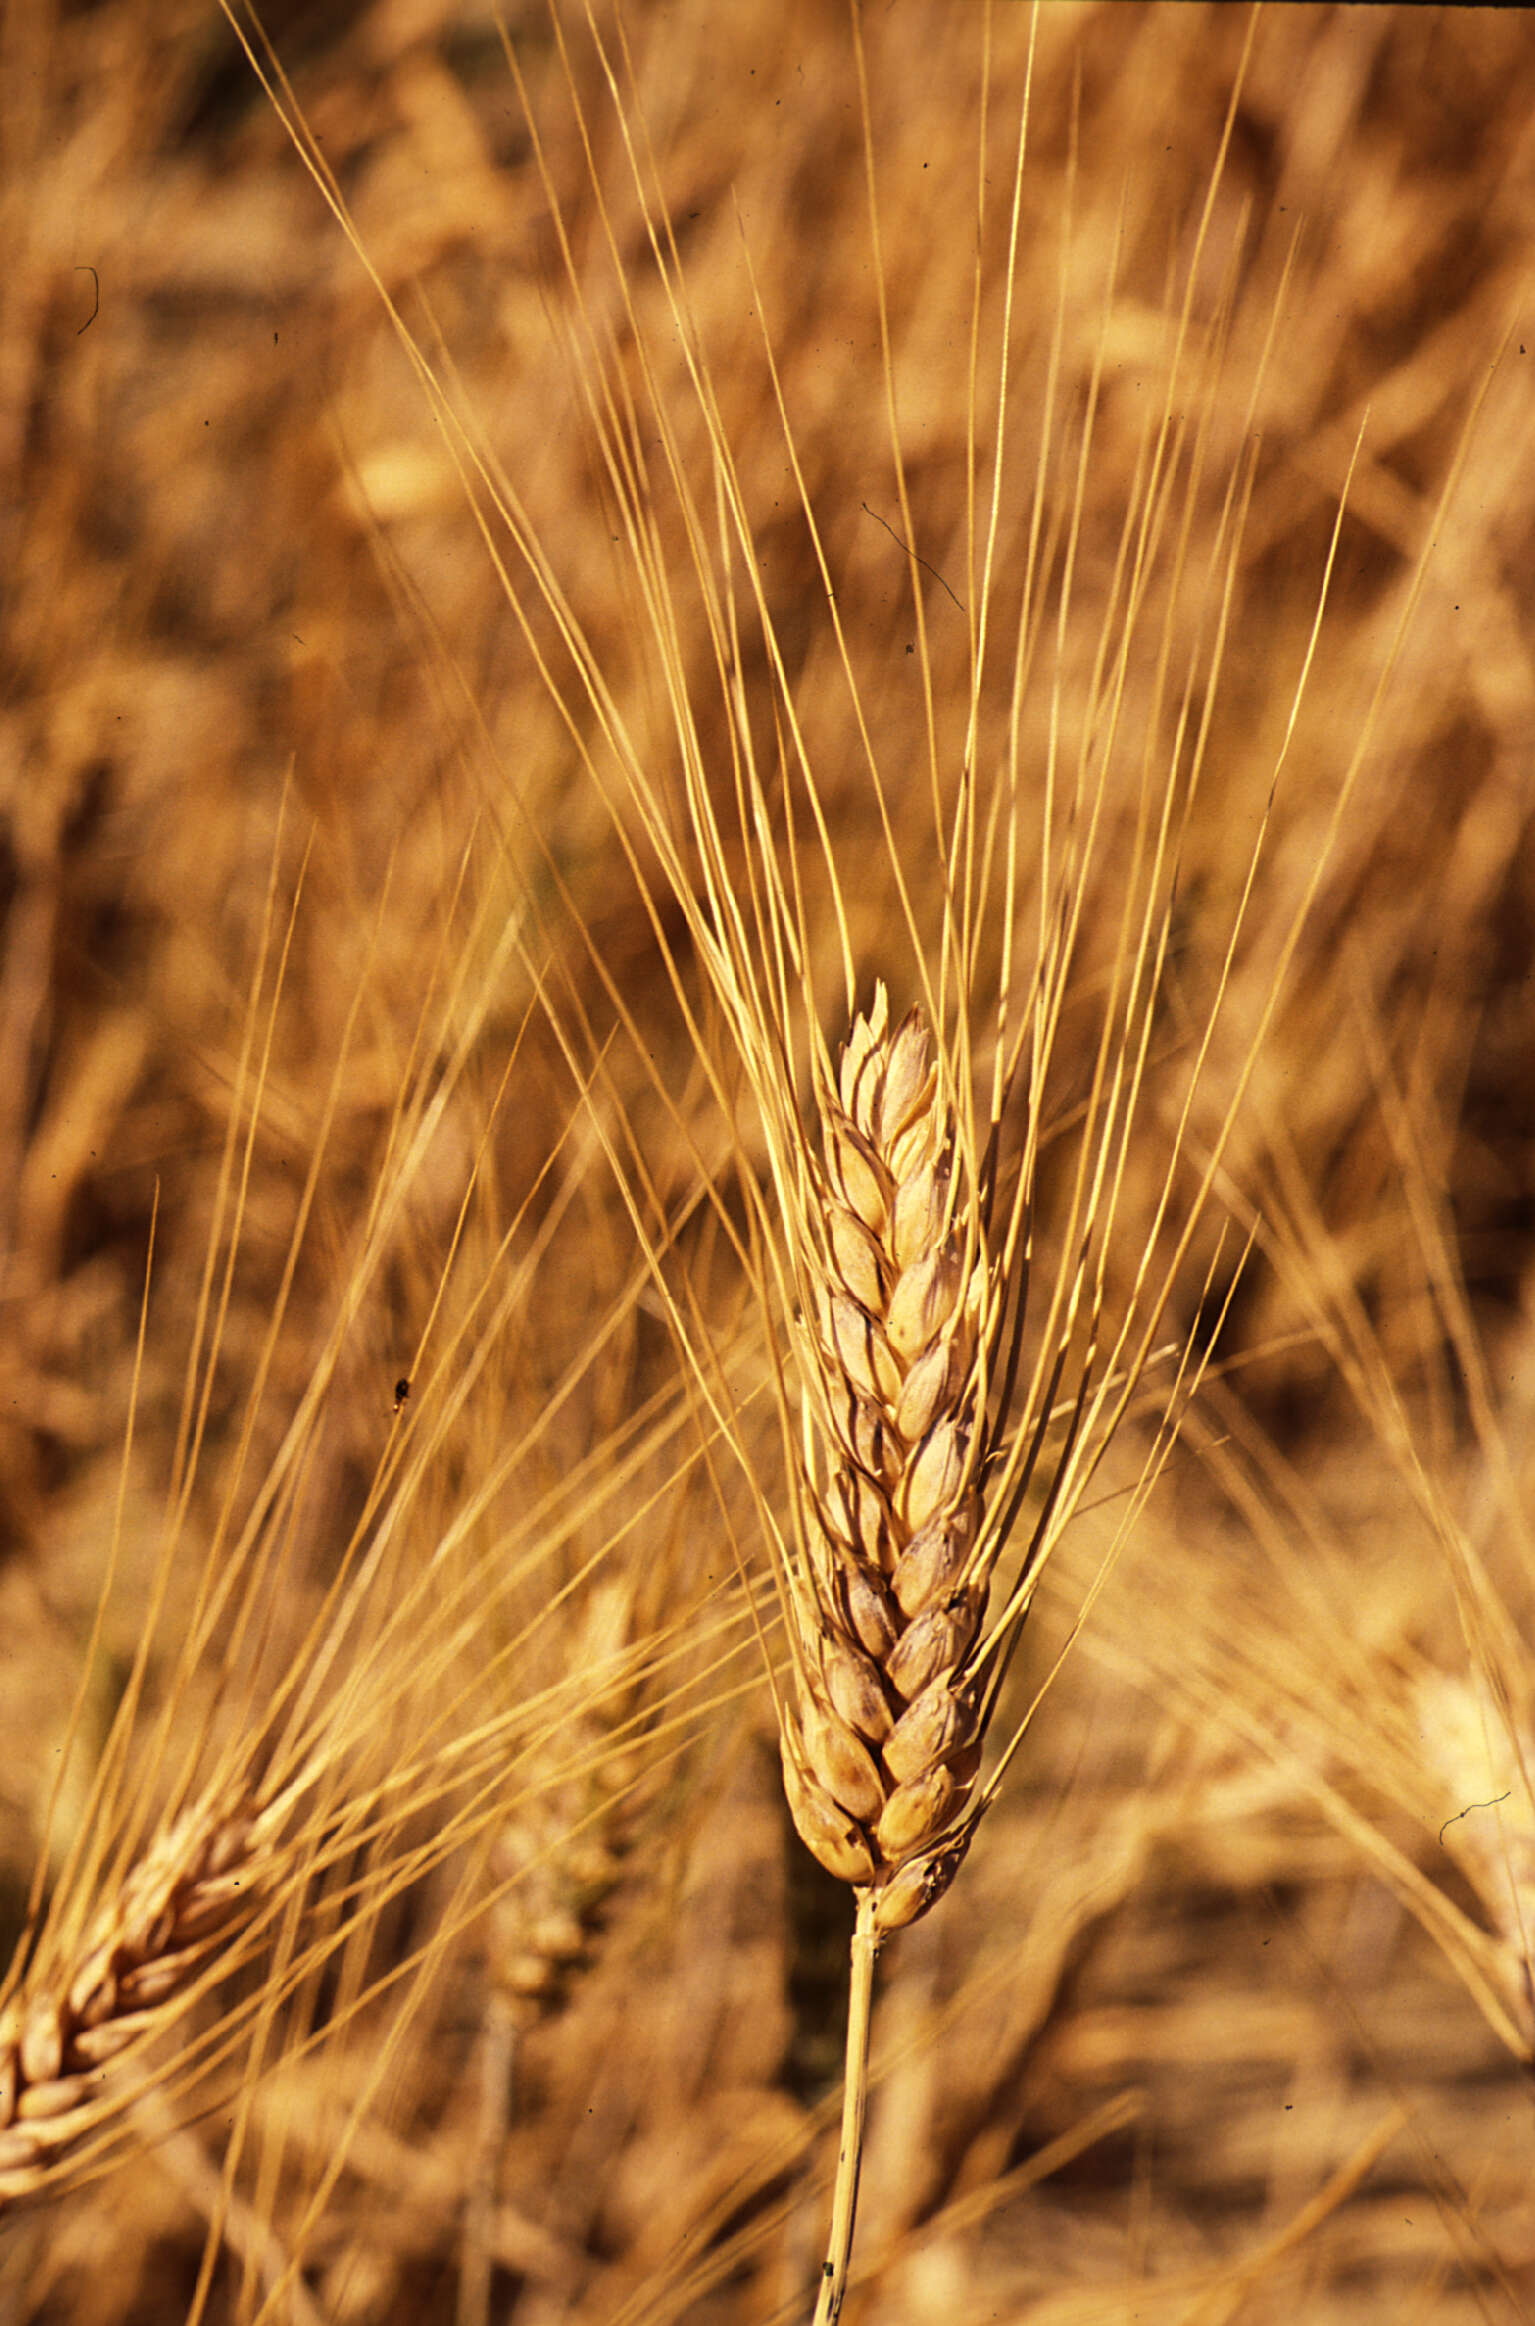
x: 883, y: 1741
x: 886, y: 1734
x: 82, y: 2005
x: 557, y: 1866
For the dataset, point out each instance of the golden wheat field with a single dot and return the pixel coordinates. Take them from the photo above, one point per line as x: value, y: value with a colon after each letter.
x: 767, y: 1019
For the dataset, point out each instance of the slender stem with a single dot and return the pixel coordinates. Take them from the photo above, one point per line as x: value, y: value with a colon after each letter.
x: 855, y: 2093
x: 499, y: 2049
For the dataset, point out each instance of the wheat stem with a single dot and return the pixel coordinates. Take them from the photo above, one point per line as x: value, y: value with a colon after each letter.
x: 855, y: 2094
x: 500, y: 2046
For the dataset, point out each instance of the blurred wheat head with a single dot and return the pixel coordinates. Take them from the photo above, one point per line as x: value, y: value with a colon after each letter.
x: 1411, y: 1735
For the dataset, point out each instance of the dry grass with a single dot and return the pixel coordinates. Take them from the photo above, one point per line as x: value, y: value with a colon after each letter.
x: 713, y: 516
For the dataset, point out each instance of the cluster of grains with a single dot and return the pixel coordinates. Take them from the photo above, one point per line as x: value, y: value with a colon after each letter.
x: 883, y: 1746
x: 142, y: 1949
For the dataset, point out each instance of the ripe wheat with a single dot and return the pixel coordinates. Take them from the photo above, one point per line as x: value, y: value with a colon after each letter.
x: 881, y: 1752
x: 81, y: 2007
x: 883, y: 1264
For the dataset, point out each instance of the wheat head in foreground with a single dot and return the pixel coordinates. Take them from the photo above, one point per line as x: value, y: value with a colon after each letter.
x: 883, y: 1745
x: 893, y: 1680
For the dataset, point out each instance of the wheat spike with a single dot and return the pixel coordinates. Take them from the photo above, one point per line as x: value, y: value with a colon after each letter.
x: 80, y: 2007
x: 564, y: 1854
x: 556, y: 1863
x: 885, y: 1740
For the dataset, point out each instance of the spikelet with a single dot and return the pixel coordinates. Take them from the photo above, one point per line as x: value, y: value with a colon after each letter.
x: 882, y: 1748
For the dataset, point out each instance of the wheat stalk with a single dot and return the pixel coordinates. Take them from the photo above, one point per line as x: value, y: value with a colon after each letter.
x: 898, y: 1299
x: 563, y: 1856
x: 894, y: 1262
x: 882, y: 1744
